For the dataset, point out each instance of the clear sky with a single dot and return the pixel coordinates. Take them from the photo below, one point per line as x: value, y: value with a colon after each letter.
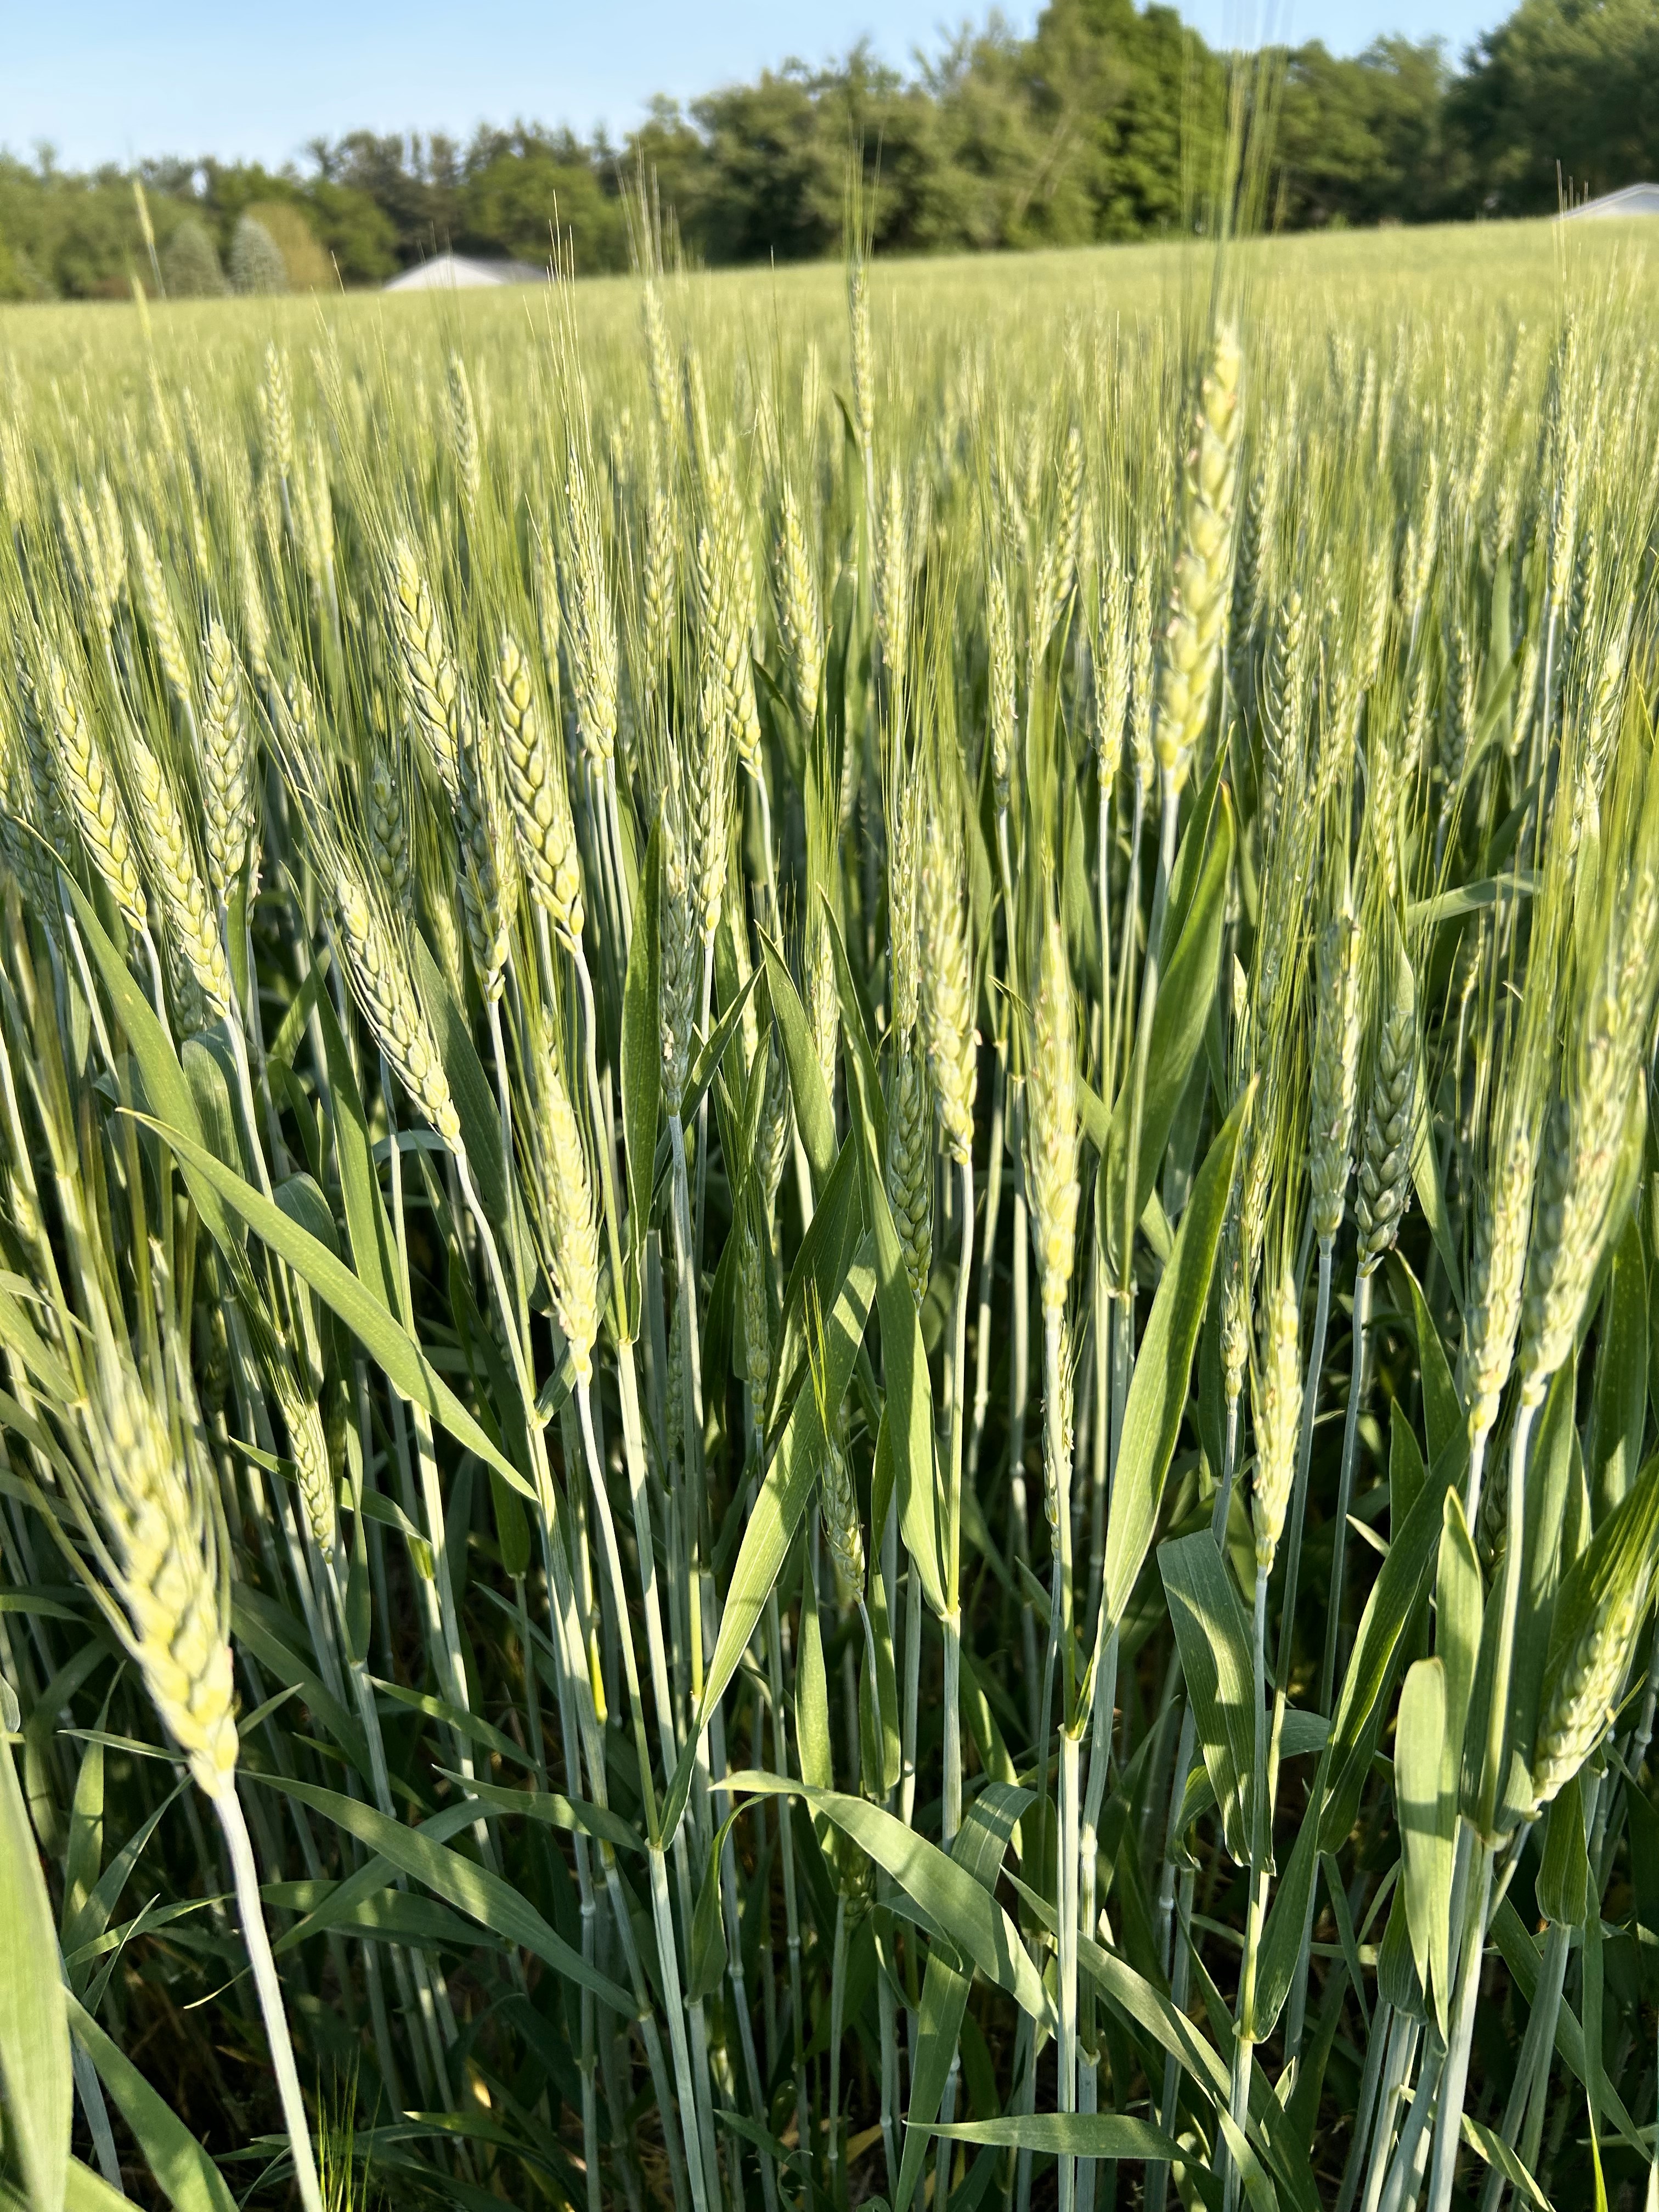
x: 103, y: 80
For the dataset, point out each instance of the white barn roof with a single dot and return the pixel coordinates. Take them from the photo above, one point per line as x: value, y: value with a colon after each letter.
x: 1632, y: 199
x: 455, y: 272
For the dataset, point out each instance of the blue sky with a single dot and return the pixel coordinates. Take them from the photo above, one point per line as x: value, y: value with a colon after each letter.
x: 102, y: 80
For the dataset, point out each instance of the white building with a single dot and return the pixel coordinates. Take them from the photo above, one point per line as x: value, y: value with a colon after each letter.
x: 455, y: 272
x: 1632, y: 199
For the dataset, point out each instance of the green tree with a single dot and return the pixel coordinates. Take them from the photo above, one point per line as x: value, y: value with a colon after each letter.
x: 358, y: 233
x: 1132, y: 105
x: 1563, y: 82
x: 256, y: 259
x: 520, y: 187
x: 991, y: 143
x: 308, y: 268
x: 415, y: 182
x: 190, y: 263
x: 773, y: 183
x: 1364, y: 140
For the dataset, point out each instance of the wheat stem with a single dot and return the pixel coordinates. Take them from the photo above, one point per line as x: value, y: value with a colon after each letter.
x: 246, y: 1876
x: 1362, y: 1300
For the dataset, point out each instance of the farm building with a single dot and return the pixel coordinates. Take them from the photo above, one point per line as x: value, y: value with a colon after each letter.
x: 1630, y: 199
x: 456, y: 272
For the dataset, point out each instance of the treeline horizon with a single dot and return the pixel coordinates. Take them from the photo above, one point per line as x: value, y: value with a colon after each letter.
x: 1091, y: 130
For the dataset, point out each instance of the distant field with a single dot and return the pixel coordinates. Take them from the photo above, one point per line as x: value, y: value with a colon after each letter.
x: 1517, y: 268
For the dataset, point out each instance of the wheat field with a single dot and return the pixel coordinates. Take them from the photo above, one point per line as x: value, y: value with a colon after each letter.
x: 828, y: 1222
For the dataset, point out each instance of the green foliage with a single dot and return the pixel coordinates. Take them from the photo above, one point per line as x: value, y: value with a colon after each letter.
x: 189, y: 266
x: 1370, y: 140
x: 1555, y: 85
x: 256, y: 260
x: 525, y: 195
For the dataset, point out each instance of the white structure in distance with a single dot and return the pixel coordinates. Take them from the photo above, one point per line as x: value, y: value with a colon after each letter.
x: 1630, y: 199
x: 456, y: 272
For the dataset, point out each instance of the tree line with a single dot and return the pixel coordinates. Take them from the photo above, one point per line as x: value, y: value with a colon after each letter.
x: 1090, y: 129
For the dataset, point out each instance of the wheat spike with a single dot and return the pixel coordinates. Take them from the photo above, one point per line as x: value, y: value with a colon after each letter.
x: 226, y: 756
x: 386, y: 824
x: 463, y: 428
x: 947, y: 998
x: 152, y: 1497
x: 592, y: 622
x: 308, y: 1444
x: 725, y: 588
x: 800, y: 622
x: 488, y: 869
x: 1000, y: 681
x: 909, y: 1166
x: 84, y: 775
x: 659, y: 592
x: 185, y: 897
x: 569, y: 1216
x: 163, y: 622
x: 1278, y: 1414
x: 541, y: 804
x: 1335, y: 1073
x: 1051, y: 1124
x: 1203, y: 572
x: 680, y: 945
x: 1496, y: 1267
x: 378, y: 972
x: 430, y: 677
x: 1385, y: 1157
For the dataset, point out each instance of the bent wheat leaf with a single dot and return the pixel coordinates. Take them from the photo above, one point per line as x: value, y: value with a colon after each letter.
x: 1496, y: 2153
x: 1391, y: 1612
x: 1619, y: 1418
x: 820, y: 1267
x: 910, y: 1424
x: 470, y: 1888
x: 1158, y: 1394
x: 814, y: 1115
x: 1459, y: 1608
x: 406, y: 1365
x: 1281, y: 1938
x: 1564, y: 1873
x: 1150, y: 2007
x: 856, y: 1030
x: 366, y: 1881
x: 1258, y: 2186
x: 1553, y: 1475
x: 1300, y: 1734
x: 708, y: 1955
x: 1427, y: 1825
x: 1442, y: 1409
x: 979, y: 1847
x: 1068, y: 2135
x: 796, y: 1466
x: 957, y: 1905
x: 373, y: 1247
x: 1214, y: 1641
x: 166, y: 1085
x: 186, y: 2176
x: 1185, y: 991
